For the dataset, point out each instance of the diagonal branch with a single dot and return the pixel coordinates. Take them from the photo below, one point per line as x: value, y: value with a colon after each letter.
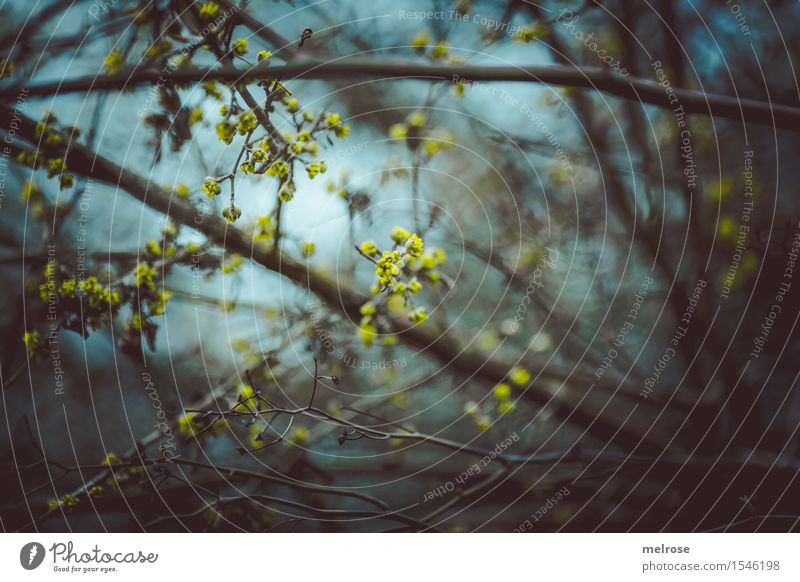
x: 606, y: 414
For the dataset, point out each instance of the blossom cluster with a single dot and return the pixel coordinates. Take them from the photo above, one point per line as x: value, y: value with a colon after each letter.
x: 397, y: 280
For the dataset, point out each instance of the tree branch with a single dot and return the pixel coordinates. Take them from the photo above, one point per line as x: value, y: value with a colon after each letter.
x: 745, y: 110
x: 605, y: 413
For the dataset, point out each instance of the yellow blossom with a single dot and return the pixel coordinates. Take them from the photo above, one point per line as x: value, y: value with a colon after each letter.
x: 520, y: 376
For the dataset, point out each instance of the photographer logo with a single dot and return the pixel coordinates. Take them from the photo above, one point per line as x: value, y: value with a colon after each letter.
x: 31, y: 555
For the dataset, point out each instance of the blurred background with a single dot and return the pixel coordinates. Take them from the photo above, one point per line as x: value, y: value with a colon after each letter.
x: 603, y: 338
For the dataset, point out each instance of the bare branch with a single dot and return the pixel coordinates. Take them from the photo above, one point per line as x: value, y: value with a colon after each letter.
x: 744, y: 110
